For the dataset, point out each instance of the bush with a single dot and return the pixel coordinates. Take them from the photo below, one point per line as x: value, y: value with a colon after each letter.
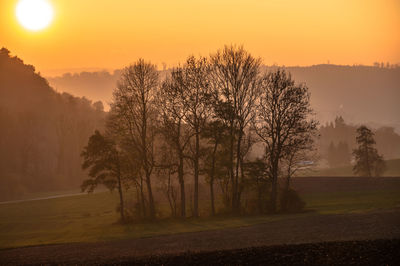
x: 290, y: 201
x: 256, y: 198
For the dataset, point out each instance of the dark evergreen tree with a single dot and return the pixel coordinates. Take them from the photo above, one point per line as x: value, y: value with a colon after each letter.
x: 368, y: 161
x: 105, y: 164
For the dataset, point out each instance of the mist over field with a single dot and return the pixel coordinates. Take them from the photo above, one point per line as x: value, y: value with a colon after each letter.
x: 48, y: 124
x: 181, y: 132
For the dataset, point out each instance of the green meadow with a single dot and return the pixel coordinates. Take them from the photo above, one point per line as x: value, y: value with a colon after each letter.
x: 93, y: 217
x: 392, y: 169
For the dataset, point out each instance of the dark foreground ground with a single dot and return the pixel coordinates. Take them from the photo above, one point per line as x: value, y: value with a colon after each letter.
x: 367, y: 252
x: 368, y: 238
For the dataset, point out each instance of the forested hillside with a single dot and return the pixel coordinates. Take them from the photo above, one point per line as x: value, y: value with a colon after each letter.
x: 338, y: 140
x: 42, y: 131
x: 360, y: 94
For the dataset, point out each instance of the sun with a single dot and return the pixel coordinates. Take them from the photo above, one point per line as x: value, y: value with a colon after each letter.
x: 34, y: 15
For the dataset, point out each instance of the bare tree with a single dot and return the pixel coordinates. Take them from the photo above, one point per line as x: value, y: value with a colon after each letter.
x: 193, y: 94
x: 214, y: 132
x: 168, y: 167
x: 283, y: 122
x: 134, y: 106
x: 172, y: 126
x: 116, y: 130
x: 235, y: 78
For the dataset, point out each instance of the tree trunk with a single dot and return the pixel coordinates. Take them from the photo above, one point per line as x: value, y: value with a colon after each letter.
x: 236, y: 199
x: 170, y: 196
x: 284, y: 202
x: 274, y: 189
x: 121, y: 199
x: 196, y: 176
x: 274, y: 194
x: 232, y: 174
x: 143, y: 203
x: 182, y: 185
x: 146, y: 166
x: 212, y: 179
x: 151, y: 199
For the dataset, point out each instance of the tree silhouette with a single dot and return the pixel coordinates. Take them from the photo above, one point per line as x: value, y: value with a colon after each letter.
x: 105, y: 164
x: 368, y: 161
x: 283, y: 122
x: 177, y: 134
x: 193, y: 94
x: 214, y: 132
x: 134, y: 107
x: 234, y: 76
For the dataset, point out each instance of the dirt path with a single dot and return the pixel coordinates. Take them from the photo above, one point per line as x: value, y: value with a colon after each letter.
x: 43, y: 198
x: 53, y: 196
x: 309, y: 229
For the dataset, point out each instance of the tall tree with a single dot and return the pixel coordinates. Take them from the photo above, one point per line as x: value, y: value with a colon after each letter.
x: 166, y: 168
x: 134, y: 106
x: 214, y: 132
x: 173, y: 127
x: 235, y: 78
x: 194, y: 95
x: 105, y: 164
x: 368, y: 161
x: 283, y: 122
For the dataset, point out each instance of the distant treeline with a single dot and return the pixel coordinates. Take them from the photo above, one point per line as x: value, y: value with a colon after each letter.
x: 42, y: 131
x: 338, y: 140
x: 361, y: 94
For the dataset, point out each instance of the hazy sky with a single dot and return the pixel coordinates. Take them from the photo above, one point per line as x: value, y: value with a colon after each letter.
x: 112, y: 33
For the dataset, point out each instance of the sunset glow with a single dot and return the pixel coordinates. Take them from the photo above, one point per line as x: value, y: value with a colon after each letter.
x: 199, y: 132
x: 110, y: 34
x: 34, y: 14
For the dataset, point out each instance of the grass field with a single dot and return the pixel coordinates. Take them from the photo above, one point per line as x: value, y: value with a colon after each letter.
x: 392, y: 169
x: 90, y: 218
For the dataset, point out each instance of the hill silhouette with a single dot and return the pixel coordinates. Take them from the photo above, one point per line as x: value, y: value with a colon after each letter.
x: 361, y: 94
x: 42, y: 131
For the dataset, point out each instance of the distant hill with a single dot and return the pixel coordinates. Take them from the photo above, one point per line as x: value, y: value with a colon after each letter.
x: 42, y: 131
x: 361, y: 94
x: 94, y: 85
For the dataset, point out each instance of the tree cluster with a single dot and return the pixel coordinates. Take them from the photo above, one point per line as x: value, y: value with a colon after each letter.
x: 202, y: 122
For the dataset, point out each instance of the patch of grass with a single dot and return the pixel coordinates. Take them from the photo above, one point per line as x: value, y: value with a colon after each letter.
x: 352, y: 202
x: 392, y: 169
x: 91, y: 218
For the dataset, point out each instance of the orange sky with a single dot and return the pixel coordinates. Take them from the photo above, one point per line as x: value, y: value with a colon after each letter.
x: 112, y: 33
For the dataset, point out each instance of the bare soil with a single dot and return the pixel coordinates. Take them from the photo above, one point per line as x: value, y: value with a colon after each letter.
x: 255, y: 244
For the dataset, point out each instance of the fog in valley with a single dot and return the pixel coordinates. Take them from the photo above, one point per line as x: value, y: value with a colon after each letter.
x: 46, y: 124
x: 213, y: 140
x: 360, y: 94
x: 183, y: 132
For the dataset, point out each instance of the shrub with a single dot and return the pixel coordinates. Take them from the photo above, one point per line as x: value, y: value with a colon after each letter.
x: 290, y: 201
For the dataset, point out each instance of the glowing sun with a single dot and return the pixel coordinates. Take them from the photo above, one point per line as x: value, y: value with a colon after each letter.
x: 34, y: 15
